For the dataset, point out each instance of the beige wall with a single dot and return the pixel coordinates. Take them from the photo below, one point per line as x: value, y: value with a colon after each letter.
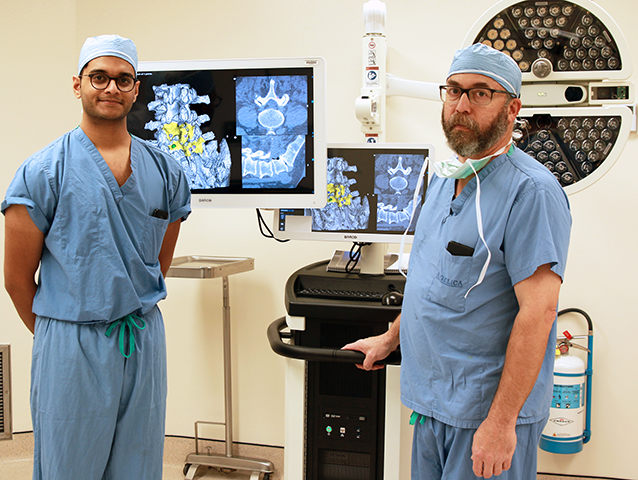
x: 41, y: 40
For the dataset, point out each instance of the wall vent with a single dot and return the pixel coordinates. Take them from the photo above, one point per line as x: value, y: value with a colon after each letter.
x: 6, y: 432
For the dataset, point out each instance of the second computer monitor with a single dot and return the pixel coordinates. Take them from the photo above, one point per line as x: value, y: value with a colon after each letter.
x: 371, y: 195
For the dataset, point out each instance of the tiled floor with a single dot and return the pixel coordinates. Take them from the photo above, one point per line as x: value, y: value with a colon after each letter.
x: 16, y: 461
x: 16, y: 458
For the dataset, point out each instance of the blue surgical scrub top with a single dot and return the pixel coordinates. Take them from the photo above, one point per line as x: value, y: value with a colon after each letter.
x: 102, y: 242
x: 453, y: 348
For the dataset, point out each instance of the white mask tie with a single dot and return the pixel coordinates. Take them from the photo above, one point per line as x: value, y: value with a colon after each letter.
x: 415, y: 200
x: 479, y: 222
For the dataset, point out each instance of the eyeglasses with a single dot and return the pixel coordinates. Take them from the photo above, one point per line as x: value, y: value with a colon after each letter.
x: 101, y: 81
x: 477, y: 95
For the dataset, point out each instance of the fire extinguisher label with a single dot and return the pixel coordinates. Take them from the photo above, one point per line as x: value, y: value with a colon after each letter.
x: 568, y: 396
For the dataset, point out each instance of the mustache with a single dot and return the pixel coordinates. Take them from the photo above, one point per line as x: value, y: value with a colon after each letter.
x: 462, y: 120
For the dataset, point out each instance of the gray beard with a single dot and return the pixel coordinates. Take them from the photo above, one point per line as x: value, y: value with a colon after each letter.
x: 471, y: 144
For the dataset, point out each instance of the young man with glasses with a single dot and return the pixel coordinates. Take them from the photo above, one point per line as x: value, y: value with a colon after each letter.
x: 98, y: 212
x: 477, y: 328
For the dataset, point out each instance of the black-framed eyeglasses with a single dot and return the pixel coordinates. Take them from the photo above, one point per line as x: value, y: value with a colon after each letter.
x: 100, y: 81
x: 476, y: 95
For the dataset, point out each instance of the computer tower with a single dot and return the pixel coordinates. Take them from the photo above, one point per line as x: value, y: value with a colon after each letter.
x: 338, y: 417
x: 345, y: 407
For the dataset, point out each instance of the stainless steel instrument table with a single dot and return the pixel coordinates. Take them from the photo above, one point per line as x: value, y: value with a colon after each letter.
x: 203, y: 267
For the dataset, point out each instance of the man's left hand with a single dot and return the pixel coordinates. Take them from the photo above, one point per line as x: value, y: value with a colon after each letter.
x: 492, y: 449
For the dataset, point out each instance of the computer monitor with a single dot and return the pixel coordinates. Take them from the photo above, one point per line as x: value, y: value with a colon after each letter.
x: 247, y: 132
x: 371, y: 199
x: 370, y: 195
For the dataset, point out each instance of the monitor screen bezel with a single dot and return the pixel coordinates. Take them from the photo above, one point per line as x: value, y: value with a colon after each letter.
x: 265, y: 199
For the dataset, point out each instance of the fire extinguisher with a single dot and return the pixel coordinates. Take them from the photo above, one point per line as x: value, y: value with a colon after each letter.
x: 569, y: 425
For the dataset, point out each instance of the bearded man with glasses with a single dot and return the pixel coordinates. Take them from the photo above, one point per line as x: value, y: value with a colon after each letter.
x: 97, y: 213
x: 478, y: 323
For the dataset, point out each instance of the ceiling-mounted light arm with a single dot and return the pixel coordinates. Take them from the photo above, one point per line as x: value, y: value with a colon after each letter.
x: 370, y: 105
x: 377, y: 83
x: 396, y: 86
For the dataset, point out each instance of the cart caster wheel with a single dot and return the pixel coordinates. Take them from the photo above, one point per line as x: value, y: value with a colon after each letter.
x: 190, y: 471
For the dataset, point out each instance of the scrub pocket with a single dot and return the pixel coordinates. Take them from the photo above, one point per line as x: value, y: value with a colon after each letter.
x: 152, y: 239
x: 451, y: 282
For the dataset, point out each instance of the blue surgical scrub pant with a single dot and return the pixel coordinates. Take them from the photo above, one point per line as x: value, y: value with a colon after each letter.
x: 442, y: 452
x: 96, y: 414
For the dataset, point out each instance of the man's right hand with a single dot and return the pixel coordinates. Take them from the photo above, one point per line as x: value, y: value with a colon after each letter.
x: 377, y: 348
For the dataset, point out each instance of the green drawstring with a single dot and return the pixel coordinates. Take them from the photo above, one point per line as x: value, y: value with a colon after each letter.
x: 124, y: 323
x: 416, y: 417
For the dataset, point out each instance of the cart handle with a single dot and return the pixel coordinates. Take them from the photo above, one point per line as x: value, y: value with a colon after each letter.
x: 318, y: 354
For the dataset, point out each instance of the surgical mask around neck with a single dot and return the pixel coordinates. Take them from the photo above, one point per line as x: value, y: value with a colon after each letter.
x: 454, y: 168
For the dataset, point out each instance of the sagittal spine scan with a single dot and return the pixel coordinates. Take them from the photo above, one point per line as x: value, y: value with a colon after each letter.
x: 396, y: 178
x: 345, y: 209
x: 272, y: 121
x: 177, y: 132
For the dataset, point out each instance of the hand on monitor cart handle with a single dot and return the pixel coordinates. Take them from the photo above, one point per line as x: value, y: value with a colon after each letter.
x: 275, y: 338
x: 377, y: 349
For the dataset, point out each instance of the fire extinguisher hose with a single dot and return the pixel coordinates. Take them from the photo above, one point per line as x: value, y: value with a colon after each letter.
x: 589, y: 371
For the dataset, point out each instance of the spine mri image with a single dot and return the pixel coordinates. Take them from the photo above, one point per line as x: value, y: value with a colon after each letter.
x: 272, y: 121
x: 387, y: 180
x: 261, y: 124
x: 345, y: 210
x: 177, y: 132
x: 396, y: 178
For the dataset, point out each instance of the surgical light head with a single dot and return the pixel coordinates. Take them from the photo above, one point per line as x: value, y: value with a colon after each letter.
x: 575, y: 63
x: 484, y: 60
x: 108, y: 46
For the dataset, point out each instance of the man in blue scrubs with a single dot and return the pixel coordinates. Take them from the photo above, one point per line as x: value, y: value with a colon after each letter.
x: 98, y: 212
x: 478, y: 323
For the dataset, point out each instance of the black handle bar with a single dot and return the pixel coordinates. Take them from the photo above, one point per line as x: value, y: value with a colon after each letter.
x: 319, y: 354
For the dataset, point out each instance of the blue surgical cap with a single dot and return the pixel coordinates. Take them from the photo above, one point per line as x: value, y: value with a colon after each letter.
x: 108, y: 46
x: 484, y: 60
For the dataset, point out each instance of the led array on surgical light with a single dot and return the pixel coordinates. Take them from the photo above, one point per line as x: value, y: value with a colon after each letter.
x: 573, y: 58
x: 565, y: 34
x: 572, y: 147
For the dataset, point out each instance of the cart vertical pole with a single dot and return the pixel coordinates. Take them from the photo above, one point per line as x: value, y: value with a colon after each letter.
x: 228, y: 394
